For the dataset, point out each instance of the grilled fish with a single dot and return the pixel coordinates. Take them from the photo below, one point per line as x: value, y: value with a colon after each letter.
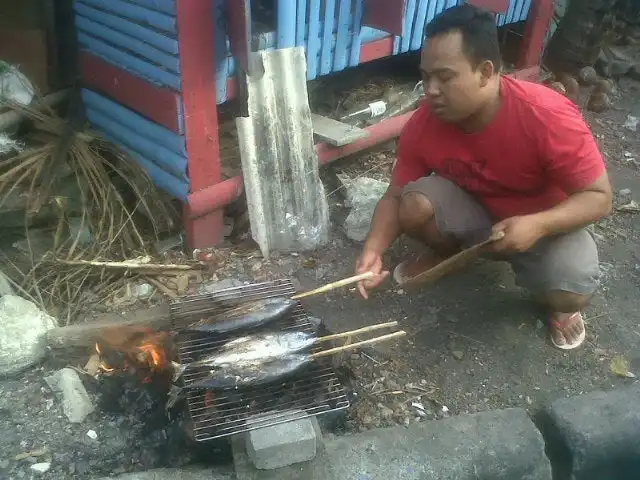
x: 261, y: 347
x: 252, y: 374
x: 248, y: 315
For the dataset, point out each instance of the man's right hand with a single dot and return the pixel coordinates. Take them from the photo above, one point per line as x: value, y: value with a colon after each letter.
x: 370, y: 261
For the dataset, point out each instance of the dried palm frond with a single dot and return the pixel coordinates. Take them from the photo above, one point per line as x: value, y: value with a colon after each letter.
x: 117, y: 204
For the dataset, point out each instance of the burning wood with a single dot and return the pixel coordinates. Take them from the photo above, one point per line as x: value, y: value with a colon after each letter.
x: 137, y: 350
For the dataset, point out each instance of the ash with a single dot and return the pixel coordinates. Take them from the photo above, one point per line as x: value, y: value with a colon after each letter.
x: 130, y: 430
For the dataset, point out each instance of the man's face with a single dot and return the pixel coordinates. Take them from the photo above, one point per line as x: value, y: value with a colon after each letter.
x: 453, y: 88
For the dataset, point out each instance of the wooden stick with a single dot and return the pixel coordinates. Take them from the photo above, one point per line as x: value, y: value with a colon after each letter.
x: 333, y: 351
x: 370, y: 328
x: 452, y: 263
x: 87, y: 333
x: 334, y: 285
x: 161, y: 286
x: 11, y: 118
x: 130, y: 265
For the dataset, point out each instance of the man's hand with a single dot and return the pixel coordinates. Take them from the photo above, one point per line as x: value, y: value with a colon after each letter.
x: 520, y: 234
x: 370, y: 261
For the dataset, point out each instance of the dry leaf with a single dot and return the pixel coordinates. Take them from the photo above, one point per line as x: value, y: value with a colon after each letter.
x: 620, y: 366
x: 182, y: 282
x: 93, y: 365
x: 631, y: 207
x: 33, y: 453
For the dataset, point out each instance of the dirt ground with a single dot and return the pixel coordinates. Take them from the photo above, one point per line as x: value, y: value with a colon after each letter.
x: 475, y: 341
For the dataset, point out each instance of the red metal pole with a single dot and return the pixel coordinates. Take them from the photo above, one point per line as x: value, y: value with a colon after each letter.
x: 537, y: 26
x: 195, y: 20
x: 221, y: 194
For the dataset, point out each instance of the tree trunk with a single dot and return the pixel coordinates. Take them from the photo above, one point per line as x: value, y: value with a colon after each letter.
x: 577, y: 41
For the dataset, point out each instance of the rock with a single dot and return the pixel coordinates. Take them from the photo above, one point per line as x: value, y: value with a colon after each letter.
x: 41, y: 467
x: 385, y: 412
x: 635, y: 72
x: 498, y: 445
x: 92, y: 435
x: 457, y: 354
x: 599, y: 102
x: 5, y: 286
x: 625, y: 192
x: 613, y: 62
x: 631, y: 123
x: 595, y: 436
x: 76, y: 403
x: 362, y: 196
x: 22, y: 334
x: 587, y: 76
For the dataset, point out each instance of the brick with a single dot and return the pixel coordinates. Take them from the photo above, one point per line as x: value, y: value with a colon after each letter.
x: 496, y: 445
x: 282, y: 445
x: 595, y: 436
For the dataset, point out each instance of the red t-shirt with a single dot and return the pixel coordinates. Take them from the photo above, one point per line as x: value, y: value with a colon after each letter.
x: 536, y: 151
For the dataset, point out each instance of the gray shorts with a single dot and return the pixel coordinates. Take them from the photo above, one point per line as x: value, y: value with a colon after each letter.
x: 567, y: 262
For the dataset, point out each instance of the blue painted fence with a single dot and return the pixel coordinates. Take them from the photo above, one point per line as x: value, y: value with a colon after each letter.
x: 140, y: 36
x: 161, y: 152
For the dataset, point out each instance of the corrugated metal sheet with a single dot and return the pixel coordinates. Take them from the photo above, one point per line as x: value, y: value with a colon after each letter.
x: 287, y: 204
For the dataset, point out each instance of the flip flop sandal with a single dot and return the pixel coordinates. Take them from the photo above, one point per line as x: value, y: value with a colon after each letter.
x: 559, y: 326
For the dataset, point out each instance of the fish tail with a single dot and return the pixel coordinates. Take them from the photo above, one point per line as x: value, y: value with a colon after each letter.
x: 178, y: 370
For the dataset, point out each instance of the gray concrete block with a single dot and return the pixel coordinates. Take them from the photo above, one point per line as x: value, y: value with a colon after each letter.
x: 316, y: 469
x: 282, y: 445
x: 595, y: 436
x: 500, y: 445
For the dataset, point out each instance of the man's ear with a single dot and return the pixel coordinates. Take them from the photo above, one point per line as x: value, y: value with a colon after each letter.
x: 487, y: 70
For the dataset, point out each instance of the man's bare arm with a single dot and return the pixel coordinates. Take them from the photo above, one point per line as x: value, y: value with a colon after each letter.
x: 582, y: 208
x: 385, y: 224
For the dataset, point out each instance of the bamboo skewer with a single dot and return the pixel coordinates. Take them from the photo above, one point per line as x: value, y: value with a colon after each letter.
x: 370, y: 328
x: 333, y: 351
x: 334, y: 285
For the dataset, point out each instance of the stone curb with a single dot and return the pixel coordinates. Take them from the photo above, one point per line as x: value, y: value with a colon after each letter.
x: 591, y: 437
x: 497, y: 445
x: 595, y: 436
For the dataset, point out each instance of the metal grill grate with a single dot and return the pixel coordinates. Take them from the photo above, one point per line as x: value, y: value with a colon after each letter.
x: 218, y: 414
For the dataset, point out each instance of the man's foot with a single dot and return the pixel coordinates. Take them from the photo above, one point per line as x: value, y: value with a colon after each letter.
x: 410, y: 268
x: 567, y: 330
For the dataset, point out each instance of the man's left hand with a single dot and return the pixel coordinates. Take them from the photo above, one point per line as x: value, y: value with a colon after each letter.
x: 520, y: 234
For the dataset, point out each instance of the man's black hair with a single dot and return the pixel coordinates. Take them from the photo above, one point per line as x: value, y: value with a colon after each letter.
x: 478, y: 28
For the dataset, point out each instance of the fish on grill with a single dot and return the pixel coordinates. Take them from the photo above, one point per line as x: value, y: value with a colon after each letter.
x: 247, y: 315
x: 253, y: 374
x: 260, y: 347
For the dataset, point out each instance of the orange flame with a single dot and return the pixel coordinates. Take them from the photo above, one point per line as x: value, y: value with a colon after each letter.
x: 148, y: 352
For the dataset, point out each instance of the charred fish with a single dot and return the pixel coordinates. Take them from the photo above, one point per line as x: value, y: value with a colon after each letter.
x: 253, y: 374
x: 261, y: 347
x: 248, y: 315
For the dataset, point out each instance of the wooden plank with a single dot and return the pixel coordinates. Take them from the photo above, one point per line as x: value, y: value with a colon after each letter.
x: 168, y: 160
x: 128, y: 43
x: 137, y: 123
x: 385, y: 15
x: 88, y: 333
x: 145, y: 69
x: 334, y: 132
x: 159, y: 104
x: 176, y: 187
x: 140, y: 14
x: 159, y: 40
